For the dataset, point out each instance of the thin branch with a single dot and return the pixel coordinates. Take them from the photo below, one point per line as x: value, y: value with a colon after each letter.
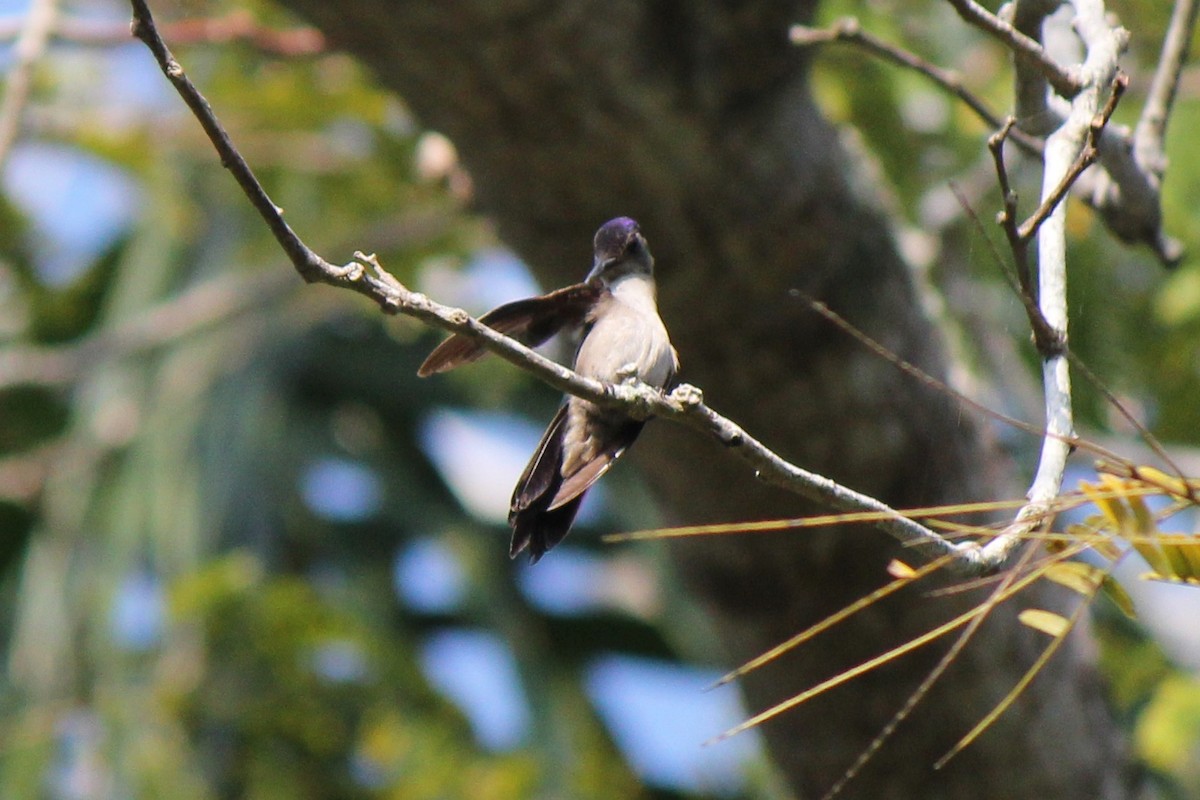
x: 1007, y: 218
x: 848, y: 30
x: 1124, y: 188
x: 943, y: 388
x: 30, y: 47
x: 1026, y: 50
x: 1103, y: 44
x: 1087, y: 156
x: 1021, y: 285
x: 310, y: 266
x: 1019, y: 236
x: 1031, y: 96
x: 684, y: 404
x: 1127, y: 197
x: 1150, y: 135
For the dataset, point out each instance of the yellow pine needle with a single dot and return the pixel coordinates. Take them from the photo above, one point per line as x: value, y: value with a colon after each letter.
x: 1154, y: 576
x: 1166, y: 484
x: 822, y: 520
x: 994, y: 599
x: 833, y: 619
x: 1067, y: 501
x: 1083, y: 579
x: 1020, y: 686
x: 883, y: 658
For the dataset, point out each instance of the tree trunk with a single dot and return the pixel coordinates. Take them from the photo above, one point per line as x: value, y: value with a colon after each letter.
x: 695, y: 118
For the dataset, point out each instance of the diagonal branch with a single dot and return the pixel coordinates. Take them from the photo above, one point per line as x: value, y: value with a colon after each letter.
x: 1151, y: 131
x: 1026, y: 50
x: 684, y: 404
x: 848, y: 30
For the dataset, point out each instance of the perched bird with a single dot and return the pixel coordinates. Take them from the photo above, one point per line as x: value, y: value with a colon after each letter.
x: 623, y: 338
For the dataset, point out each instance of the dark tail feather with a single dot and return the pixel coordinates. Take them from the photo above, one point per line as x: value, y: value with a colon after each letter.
x: 619, y: 438
x: 534, y: 527
x: 544, y: 504
x: 539, y: 530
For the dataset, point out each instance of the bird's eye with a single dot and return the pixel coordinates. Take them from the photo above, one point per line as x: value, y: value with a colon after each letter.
x: 634, y: 245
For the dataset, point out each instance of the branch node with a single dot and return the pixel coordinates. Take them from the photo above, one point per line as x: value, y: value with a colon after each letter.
x: 1050, y: 343
x: 637, y: 398
x: 350, y: 273
x: 687, y: 396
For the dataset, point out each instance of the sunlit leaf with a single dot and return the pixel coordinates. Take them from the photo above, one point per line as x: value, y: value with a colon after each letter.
x: 1045, y: 621
x: 1113, y: 589
x: 1169, y: 483
x: 1048, y: 622
x: 1077, y: 576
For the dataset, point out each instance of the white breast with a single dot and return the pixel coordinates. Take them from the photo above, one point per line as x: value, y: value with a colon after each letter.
x: 628, y: 338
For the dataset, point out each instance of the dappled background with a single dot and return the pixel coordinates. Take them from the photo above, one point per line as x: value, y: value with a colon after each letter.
x: 245, y: 552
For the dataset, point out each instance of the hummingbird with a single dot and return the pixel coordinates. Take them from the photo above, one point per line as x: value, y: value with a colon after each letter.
x: 622, y: 338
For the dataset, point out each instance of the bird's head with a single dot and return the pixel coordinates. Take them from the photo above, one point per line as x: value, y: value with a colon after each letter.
x: 620, y: 250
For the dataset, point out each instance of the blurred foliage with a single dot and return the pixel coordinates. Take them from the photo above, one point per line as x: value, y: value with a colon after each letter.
x: 171, y: 458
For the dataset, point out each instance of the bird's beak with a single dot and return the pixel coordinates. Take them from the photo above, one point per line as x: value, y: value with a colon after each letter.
x: 599, y: 267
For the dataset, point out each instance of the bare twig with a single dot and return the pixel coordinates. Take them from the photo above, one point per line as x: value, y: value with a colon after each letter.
x: 1126, y: 194
x: 1007, y: 218
x: 684, y: 404
x: 1018, y: 241
x: 1151, y: 131
x: 1030, y: 89
x: 849, y: 30
x: 943, y: 388
x: 1020, y: 235
x: 1087, y: 156
x: 1124, y: 189
x: 1026, y: 50
x: 310, y: 265
x: 30, y: 47
x: 1103, y: 44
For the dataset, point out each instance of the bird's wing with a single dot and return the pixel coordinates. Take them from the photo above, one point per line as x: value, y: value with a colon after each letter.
x: 530, y: 321
x: 541, y: 476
